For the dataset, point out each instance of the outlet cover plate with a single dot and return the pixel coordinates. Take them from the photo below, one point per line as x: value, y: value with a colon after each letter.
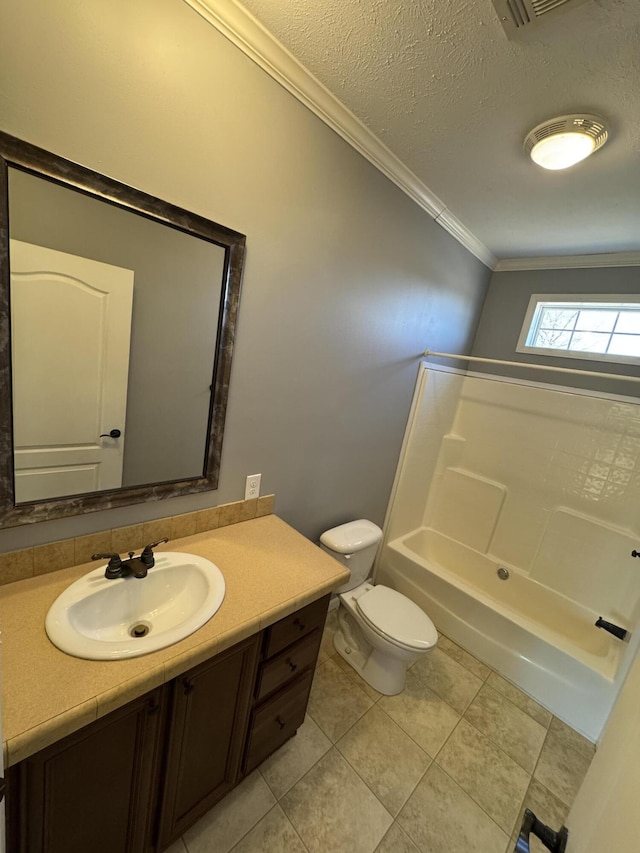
x: 252, y: 487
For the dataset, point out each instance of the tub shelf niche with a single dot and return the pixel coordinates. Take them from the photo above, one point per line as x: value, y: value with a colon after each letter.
x: 467, y: 507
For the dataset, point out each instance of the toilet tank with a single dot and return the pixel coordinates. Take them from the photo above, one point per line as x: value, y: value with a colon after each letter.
x: 353, y: 544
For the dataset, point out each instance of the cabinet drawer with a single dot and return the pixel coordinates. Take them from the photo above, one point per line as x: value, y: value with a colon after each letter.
x: 277, y: 720
x: 295, y: 626
x: 288, y: 664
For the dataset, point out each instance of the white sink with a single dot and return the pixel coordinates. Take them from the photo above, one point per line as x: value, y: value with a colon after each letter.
x: 98, y: 619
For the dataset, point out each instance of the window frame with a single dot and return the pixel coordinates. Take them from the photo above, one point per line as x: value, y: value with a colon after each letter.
x: 575, y: 300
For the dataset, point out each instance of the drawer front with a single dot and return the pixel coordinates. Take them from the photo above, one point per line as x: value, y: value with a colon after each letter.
x: 288, y: 664
x: 274, y: 722
x: 296, y: 626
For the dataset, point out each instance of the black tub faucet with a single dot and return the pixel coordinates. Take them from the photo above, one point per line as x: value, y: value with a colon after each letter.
x: 136, y: 566
x: 616, y: 630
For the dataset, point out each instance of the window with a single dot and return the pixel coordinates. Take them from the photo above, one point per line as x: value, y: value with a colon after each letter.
x: 603, y: 327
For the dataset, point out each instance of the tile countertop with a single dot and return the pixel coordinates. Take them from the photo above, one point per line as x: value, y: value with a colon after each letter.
x: 270, y: 570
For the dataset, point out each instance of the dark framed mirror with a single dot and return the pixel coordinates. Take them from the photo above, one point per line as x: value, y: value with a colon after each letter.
x: 117, y: 323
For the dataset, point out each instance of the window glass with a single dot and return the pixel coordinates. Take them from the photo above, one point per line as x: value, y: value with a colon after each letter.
x: 598, y: 327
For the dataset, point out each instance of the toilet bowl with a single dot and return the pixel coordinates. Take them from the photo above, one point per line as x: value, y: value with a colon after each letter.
x: 380, y: 631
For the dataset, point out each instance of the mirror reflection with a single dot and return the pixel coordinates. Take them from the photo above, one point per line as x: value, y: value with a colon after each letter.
x: 120, y: 309
x: 113, y: 328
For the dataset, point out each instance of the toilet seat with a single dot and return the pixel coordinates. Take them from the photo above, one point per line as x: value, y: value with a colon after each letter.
x: 397, y: 618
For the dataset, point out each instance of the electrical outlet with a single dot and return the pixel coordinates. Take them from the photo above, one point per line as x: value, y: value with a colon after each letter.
x: 252, y: 487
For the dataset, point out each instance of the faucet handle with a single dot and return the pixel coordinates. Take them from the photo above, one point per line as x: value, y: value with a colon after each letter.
x: 114, y: 566
x: 148, y: 548
x: 147, y: 557
x: 114, y: 559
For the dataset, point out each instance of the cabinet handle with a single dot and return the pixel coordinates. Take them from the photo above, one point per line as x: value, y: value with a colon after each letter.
x: 292, y: 666
x: 280, y: 721
x: 154, y: 705
x: 299, y: 625
x: 188, y: 686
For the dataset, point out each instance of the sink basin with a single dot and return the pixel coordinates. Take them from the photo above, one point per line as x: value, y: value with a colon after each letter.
x: 102, y: 619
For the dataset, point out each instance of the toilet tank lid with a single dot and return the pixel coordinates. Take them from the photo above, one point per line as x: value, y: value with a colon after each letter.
x: 352, y: 536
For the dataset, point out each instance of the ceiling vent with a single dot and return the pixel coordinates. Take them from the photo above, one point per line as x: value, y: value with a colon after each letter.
x: 516, y: 15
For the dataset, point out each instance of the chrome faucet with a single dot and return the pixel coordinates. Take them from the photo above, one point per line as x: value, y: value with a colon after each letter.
x: 136, y: 566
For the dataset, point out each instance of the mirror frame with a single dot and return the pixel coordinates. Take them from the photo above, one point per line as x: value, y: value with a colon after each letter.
x: 28, y: 158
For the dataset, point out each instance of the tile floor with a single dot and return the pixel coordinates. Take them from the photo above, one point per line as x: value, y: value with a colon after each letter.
x: 445, y: 767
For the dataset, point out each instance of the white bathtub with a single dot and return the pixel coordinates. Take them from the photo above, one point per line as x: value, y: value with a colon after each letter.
x: 540, y: 640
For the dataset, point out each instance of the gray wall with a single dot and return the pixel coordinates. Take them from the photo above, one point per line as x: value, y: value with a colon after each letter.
x: 176, y: 294
x: 346, y: 282
x: 503, y: 314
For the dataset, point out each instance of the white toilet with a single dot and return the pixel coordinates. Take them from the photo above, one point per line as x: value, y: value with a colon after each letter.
x: 380, y: 631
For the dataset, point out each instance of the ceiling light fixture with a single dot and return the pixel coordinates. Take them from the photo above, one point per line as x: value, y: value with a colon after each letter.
x: 566, y: 140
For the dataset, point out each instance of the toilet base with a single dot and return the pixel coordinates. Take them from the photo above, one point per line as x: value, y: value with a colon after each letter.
x: 385, y: 674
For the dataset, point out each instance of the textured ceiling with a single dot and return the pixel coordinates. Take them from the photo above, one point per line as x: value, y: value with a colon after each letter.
x: 444, y: 88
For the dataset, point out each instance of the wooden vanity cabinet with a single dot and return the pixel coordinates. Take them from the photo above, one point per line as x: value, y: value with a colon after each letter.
x: 209, y: 710
x: 94, y: 790
x: 136, y: 779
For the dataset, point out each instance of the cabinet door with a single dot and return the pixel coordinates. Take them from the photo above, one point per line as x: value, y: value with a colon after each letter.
x: 210, y: 710
x: 92, y: 791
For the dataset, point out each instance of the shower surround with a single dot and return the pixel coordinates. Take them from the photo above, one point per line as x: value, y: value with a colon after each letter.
x: 541, y: 481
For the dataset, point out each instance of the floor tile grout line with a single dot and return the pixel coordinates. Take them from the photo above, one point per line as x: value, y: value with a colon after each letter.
x: 240, y: 840
x: 557, y: 735
x: 335, y: 746
x: 352, y: 680
x: 264, y: 778
x: 446, y: 741
x: 482, y: 663
x: 497, y: 745
x: 364, y: 780
x: 495, y: 672
x: 328, y: 736
x: 484, y: 683
x: 300, y: 778
x: 433, y: 690
x: 533, y: 776
x: 437, y: 763
x: 409, y: 735
x: 293, y: 826
x: 499, y: 748
x: 346, y: 760
x: 354, y: 676
x: 473, y: 799
x: 507, y: 699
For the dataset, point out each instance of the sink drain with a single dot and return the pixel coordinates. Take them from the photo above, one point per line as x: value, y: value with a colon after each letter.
x: 140, y: 629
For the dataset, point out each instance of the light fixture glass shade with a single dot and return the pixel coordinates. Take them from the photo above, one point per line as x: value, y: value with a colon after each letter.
x: 565, y: 140
x: 562, y: 150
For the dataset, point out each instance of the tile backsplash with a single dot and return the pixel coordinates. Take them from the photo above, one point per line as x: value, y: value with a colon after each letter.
x: 18, y: 565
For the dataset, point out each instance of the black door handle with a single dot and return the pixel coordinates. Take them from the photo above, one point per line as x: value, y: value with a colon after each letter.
x: 114, y: 433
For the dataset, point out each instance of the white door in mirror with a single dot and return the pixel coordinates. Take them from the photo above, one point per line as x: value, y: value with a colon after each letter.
x: 102, y: 619
x: 69, y: 377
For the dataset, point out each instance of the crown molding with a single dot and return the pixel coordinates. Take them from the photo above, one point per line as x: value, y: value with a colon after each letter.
x: 256, y: 42
x: 449, y: 222
x: 563, y: 262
